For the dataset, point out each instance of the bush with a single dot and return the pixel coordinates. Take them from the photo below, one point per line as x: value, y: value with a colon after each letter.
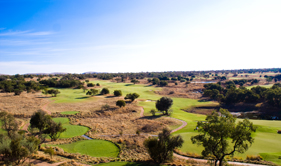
x: 98, y: 84
x: 153, y: 112
x: 121, y: 103
x: 90, y: 85
x: 117, y: 93
x: 163, y: 83
x: 132, y: 96
x: 161, y: 149
x: 279, y: 131
x: 104, y: 91
x: 183, y: 80
x: 254, y: 158
x: 105, y: 107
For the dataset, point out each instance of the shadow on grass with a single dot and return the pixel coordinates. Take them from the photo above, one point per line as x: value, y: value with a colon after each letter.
x: 85, y: 97
x: 110, y: 96
x: 129, y: 84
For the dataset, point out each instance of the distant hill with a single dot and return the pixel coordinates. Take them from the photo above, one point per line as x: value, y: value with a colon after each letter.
x: 93, y: 72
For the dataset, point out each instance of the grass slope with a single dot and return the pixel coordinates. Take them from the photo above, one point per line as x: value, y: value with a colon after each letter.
x: 95, y: 148
x: 71, y: 130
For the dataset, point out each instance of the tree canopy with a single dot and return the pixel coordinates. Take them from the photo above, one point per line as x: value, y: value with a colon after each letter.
x: 161, y: 149
x: 221, y: 136
x: 164, y: 104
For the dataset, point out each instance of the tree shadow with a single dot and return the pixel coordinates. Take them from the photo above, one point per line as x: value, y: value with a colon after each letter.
x: 151, y: 117
x: 44, y: 97
x: 129, y: 84
x: 85, y: 97
x: 141, y: 164
x: 110, y: 96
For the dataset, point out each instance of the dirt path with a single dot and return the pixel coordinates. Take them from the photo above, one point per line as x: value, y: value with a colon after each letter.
x: 44, y: 108
x: 142, y: 111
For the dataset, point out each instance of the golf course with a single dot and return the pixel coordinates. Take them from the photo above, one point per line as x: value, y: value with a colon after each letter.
x: 267, y: 141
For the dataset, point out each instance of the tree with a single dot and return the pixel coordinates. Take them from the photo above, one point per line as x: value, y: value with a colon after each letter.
x: 54, y: 130
x: 164, y: 104
x: 9, y: 123
x: 104, y: 91
x: 92, y: 92
x: 90, y: 85
x: 40, y: 120
x: 221, y: 136
x: 163, y: 83
x: 117, y: 93
x: 161, y: 149
x: 121, y: 103
x: 53, y: 92
x: 135, y: 81
x: 155, y: 81
x: 132, y: 96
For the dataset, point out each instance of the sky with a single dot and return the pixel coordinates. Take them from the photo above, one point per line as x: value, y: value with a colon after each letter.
x: 77, y: 36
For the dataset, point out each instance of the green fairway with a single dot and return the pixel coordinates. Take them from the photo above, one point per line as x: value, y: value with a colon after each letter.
x: 95, y: 148
x: 266, y: 86
x: 71, y: 130
x: 274, y: 157
x: 69, y: 112
x: 68, y: 95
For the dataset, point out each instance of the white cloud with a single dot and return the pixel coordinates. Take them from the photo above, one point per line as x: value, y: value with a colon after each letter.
x: 26, y: 33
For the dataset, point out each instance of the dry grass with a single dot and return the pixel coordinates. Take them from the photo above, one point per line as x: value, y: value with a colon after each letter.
x: 26, y: 103
x: 181, y: 90
x: 125, y: 120
x: 85, y: 106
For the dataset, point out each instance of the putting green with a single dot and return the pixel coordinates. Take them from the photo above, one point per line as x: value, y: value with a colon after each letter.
x: 95, y: 148
x: 71, y: 130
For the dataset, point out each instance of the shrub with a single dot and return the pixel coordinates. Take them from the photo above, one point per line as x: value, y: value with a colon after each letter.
x: 105, y: 107
x: 163, y: 83
x: 132, y: 96
x: 254, y: 158
x: 279, y: 131
x: 98, y: 84
x: 161, y: 149
x: 153, y: 112
x: 90, y: 85
x: 176, y: 83
x: 121, y: 103
x: 117, y: 93
x: 104, y: 91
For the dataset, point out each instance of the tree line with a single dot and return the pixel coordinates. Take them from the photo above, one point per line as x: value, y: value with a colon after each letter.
x: 232, y: 95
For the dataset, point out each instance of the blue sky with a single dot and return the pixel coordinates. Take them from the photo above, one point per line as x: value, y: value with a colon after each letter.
x: 138, y: 35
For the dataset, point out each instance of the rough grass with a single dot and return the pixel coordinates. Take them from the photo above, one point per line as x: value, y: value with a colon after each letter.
x: 95, y: 148
x: 70, y: 112
x: 26, y: 103
x: 71, y: 130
